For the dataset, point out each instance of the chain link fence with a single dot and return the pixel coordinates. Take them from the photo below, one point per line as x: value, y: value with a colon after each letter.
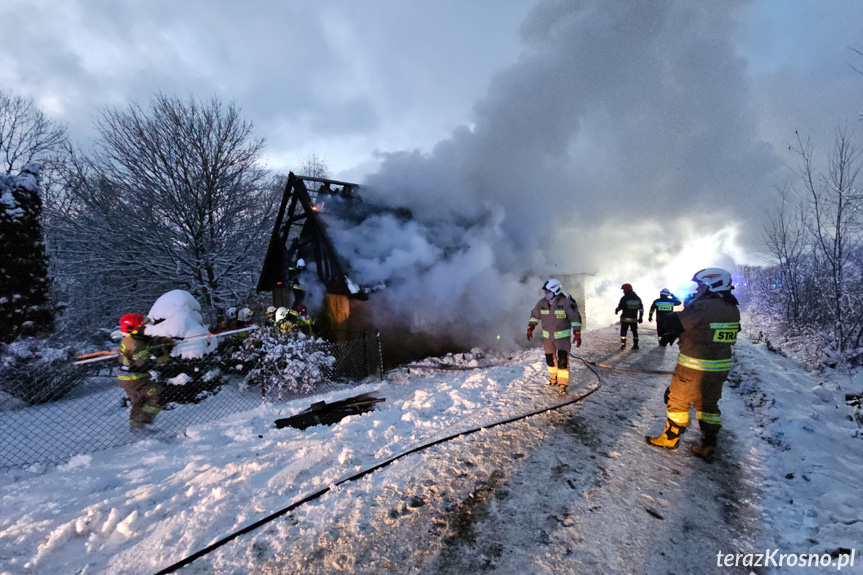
x: 51, y: 410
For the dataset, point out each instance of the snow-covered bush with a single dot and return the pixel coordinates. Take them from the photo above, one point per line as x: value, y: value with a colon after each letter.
x: 177, y: 314
x: 33, y: 371
x: 193, y: 372
x: 286, y: 365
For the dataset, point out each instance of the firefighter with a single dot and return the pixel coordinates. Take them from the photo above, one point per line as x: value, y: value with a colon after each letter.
x: 707, y: 329
x: 230, y: 321
x: 662, y: 306
x: 138, y: 353
x: 304, y: 322
x: 559, y: 315
x: 631, y: 314
x: 270, y: 320
x: 297, y: 288
x: 244, y: 319
x: 285, y: 320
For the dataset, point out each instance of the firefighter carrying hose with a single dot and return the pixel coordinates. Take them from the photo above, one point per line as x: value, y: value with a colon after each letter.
x: 707, y: 329
x: 560, y: 318
x: 139, y: 353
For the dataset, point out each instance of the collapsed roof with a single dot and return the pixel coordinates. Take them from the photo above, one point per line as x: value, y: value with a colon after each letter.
x: 300, y: 232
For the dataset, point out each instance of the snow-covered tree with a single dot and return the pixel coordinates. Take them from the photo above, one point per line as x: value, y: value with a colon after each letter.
x: 173, y: 196
x: 25, y: 308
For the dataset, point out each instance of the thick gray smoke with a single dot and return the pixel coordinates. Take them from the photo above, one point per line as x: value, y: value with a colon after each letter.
x: 620, y: 138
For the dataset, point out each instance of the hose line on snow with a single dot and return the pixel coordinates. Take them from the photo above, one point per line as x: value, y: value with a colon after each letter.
x: 312, y: 496
x: 618, y: 368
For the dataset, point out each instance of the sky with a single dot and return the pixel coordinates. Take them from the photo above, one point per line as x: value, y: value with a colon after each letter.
x: 571, y: 490
x: 528, y: 138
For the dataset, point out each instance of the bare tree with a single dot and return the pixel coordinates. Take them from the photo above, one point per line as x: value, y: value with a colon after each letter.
x: 172, y: 197
x: 26, y: 134
x: 784, y: 240
x: 835, y: 225
x: 315, y: 166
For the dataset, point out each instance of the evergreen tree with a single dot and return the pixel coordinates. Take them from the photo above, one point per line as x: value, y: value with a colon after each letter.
x: 24, y: 282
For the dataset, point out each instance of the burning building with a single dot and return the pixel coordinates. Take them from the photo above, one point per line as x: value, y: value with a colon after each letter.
x: 428, y: 286
x: 299, y: 233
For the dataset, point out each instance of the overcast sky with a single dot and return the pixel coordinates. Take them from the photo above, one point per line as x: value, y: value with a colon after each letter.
x: 585, y: 125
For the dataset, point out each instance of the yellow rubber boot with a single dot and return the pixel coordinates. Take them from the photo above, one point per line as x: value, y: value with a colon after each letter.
x: 670, y: 436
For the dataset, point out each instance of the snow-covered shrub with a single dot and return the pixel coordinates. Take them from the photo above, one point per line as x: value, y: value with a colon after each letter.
x: 286, y: 365
x: 193, y: 371
x: 33, y: 371
x: 190, y: 380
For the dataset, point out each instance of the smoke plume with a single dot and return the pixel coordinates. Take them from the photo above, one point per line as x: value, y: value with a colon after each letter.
x: 621, y: 138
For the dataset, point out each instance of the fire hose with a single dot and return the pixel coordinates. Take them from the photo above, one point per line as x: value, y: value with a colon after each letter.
x: 317, y: 494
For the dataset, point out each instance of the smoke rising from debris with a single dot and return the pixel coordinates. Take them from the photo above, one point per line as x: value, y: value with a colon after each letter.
x: 622, y: 135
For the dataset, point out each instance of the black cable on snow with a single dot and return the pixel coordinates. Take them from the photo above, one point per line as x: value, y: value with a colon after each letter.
x: 312, y: 496
x: 607, y: 366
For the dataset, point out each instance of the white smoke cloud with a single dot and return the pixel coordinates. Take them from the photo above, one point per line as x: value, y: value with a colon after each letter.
x: 620, y: 145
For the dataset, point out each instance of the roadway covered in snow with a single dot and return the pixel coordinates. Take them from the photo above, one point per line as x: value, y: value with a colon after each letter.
x: 572, y: 490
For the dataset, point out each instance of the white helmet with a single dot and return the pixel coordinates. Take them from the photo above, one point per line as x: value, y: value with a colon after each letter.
x: 665, y: 291
x: 231, y: 313
x: 271, y: 310
x: 716, y: 279
x: 281, y: 313
x: 244, y: 315
x: 301, y: 263
x: 553, y: 286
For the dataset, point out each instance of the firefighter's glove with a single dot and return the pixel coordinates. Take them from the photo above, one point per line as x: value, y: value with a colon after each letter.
x: 616, y: 311
x: 576, y: 339
x: 640, y: 319
x: 650, y: 318
x: 530, y: 332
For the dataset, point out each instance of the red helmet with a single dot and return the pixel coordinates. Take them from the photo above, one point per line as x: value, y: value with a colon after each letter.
x: 626, y: 287
x: 131, y: 322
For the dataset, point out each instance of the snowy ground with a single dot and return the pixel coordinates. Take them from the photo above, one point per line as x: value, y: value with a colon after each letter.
x: 573, y: 490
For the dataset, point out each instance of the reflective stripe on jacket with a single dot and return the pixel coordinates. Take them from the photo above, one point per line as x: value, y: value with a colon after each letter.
x: 663, y: 305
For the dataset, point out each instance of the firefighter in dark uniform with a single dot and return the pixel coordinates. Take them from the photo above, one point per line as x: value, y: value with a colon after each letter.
x: 707, y: 329
x: 139, y: 353
x: 631, y: 314
x: 662, y: 307
x: 560, y: 318
x: 297, y: 288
